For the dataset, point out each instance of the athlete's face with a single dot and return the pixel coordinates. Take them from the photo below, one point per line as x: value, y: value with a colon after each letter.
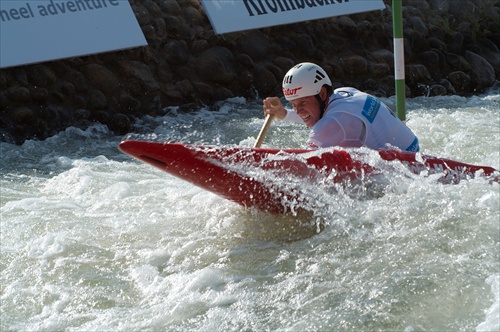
x: 308, y: 109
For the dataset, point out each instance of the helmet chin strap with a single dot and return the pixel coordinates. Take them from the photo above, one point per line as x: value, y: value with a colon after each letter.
x: 322, y: 105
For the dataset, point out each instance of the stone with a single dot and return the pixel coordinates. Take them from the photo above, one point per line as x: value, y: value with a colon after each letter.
x: 19, y: 94
x: 457, y: 62
x: 245, y: 60
x: 306, y: 44
x: 245, y: 79
x: 41, y: 75
x: 437, y: 44
x: 438, y: 90
x: 419, y: 4
x: 284, y: 63
x: 355, y: 65
x: 82, y: 114
x: 153, y: 9
x: 455, y: 42
x: 160, y: 27
x: 193, y: 16
x: 448, y: 86
x: 417, y: 75
x: 459, y: 80
x: 490, y: 52
x: 378, y: 70
x: 97, y: 100
x: 176, y: 52
x: 253, y: 43
x: 127, y: 104
x: 384, y: 56
x: 431, y: 60
x: 482, y: 73
x: 40, y: 95
x: 205, y: 90
x: 149, y: 33
x: 4, y: 104
x: 216, y: 65
x: 222, y: 93
x: 78, y: 80
x: 120, y: 124
x: 23, y: 116
x: 102, y: 78
x: 417, y: 24
x: 264, y: 80
x: 141, y: 13
x: 185, y: 87
x: 142, y: 73
x: 199, y: 46
x: 171, y: 7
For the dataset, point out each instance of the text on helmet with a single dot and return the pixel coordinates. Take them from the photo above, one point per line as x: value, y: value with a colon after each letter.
x: 290, y: 92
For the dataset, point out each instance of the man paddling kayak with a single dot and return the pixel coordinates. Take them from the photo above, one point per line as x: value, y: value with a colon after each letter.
x: 344, y: 117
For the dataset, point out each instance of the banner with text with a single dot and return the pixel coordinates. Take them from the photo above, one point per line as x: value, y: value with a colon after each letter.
x: 42, y: 30
x: 236, y: 15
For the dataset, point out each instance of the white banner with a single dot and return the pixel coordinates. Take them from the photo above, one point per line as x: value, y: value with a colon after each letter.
x: 236, y: 15
x: 42, y: 30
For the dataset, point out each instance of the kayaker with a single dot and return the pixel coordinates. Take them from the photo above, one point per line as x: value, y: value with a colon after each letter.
x: 344, y: 117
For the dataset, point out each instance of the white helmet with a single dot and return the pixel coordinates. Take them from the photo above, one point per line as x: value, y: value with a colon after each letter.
x: 303, y: 80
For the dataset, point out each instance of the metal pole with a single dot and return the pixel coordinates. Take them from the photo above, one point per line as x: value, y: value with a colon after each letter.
x: 399, y: 59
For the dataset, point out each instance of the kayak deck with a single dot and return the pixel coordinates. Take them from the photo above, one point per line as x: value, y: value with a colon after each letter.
x: 231, y: 172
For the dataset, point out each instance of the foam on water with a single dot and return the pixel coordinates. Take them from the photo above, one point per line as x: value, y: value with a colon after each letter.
x: 92, y: 240
x: 492, y: 322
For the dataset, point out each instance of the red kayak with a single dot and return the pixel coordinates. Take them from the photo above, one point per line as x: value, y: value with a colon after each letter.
x: 236, y: 173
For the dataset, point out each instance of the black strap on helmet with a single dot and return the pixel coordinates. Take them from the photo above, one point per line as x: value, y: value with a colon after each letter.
x: 322, y: 105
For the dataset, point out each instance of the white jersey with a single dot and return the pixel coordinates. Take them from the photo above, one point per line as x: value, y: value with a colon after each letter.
x: 354, y: 119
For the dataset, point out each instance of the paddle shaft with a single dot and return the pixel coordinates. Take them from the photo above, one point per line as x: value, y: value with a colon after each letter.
x: 263, y: 131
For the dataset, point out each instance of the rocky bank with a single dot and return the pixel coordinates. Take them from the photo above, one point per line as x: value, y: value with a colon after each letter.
x: 451, y: 47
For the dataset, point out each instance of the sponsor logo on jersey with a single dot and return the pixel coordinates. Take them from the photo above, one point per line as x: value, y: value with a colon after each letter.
x: 370, y: 109
x: 414, y: 147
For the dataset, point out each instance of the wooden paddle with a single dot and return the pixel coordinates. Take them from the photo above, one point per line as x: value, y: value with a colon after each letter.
x: 263, y: 130
x: 265, y: 127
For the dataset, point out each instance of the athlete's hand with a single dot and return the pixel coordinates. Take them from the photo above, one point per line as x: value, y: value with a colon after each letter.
x: 272, y: 105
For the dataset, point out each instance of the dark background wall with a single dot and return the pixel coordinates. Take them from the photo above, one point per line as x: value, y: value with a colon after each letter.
x: 451, y: 47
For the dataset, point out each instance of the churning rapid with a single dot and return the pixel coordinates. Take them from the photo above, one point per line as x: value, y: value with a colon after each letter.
x: 92, y: 240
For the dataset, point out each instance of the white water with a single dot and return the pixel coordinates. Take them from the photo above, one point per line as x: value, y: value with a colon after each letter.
x: 92, y: 240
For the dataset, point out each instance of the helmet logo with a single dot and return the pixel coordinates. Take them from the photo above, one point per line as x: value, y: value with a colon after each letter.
x: 319, y: 76
x: 290, y: 92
